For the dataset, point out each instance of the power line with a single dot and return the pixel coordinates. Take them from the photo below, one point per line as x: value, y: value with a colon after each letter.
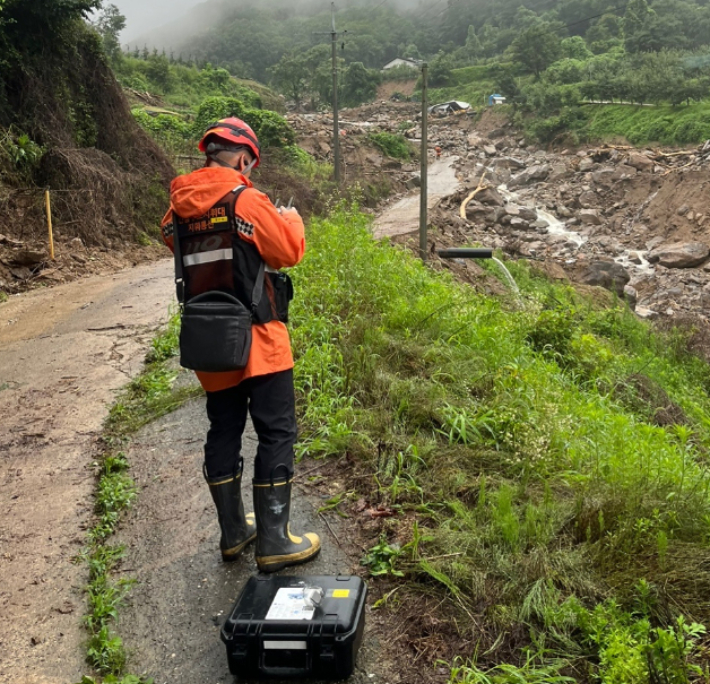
x: 380, y: 5
x: 426, y: 11
x: 595, y: 16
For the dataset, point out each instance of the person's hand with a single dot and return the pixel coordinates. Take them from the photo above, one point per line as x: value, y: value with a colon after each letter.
x: 286, y: 210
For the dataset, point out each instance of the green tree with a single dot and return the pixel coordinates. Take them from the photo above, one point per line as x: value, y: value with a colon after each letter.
x: 410, y: 51
x: 158, y: 71
x: 24, y: 20
x: 474, y: 48
x: 488, y: 37
x: 440, y: 70
x: 535, y: 49
x: 637, y: 21
x: 109, y: 24
x: 566, y: 71
x: 359, y: 84
x: 525, y: 19
x: 292, y: 75
x: 575, y: 47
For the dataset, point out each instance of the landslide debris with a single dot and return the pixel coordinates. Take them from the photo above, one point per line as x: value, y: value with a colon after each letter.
x: 379, y: 174
x: 634, y: 221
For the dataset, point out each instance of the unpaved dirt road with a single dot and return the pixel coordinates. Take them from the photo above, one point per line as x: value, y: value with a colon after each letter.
x: 63, y: 354
x: 403, y: 216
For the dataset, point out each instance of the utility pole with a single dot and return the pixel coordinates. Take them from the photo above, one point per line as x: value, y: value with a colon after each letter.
x: 424, y: 186
x: 336, y: 122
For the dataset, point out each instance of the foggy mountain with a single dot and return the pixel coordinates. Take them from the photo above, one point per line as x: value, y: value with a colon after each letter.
x: 140, y: 14
x: 169, y: 24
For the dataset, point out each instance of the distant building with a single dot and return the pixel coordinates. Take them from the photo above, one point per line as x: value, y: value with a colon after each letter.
x: 411, y: 63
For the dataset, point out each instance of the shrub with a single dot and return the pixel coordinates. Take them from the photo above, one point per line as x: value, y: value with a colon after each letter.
x: 395, y: 146
x: 271, y: 128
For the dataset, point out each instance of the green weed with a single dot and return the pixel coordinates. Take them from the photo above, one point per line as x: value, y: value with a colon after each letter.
x: 105, y: 652
x: 382, y: 558
x: 150, y: 395
x: 111, y: 679
x: 397, y: 475
x: 333, y: 504
x: 23, y: 153
x: 529, y: 673
x: 392, y: 145
x: 165, y: 345
x: 522, y: 442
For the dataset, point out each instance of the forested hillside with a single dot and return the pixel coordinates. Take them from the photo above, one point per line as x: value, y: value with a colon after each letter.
x: 545, y: 57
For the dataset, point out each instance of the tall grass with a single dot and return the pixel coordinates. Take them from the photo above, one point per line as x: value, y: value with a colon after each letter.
x: 524, y: 441
x: 682, y: 125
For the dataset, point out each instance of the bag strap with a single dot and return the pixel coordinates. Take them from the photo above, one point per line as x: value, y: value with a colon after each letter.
x: 179, y: 280
x: 177, y: 252
x: 258, y: 290
x: 179, y: 272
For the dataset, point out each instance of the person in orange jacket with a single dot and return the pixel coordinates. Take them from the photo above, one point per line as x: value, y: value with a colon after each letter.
x: 264, y: 388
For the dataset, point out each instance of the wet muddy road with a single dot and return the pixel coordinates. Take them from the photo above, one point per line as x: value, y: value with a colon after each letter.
x: 63, y: 354
x: 184, y: 593
x: 402, y: 217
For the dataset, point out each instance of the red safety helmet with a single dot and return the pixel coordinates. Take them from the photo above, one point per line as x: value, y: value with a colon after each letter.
x: 229, y: 133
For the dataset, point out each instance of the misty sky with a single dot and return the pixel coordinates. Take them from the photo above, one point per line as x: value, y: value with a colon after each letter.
x: 143, y: 15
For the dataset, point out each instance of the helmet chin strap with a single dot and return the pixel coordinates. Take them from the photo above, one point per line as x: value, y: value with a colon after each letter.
x: 213, y: 150
x: 243, y: 171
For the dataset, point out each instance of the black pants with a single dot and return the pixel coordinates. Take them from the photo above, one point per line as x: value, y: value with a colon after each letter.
x: 271, y: 401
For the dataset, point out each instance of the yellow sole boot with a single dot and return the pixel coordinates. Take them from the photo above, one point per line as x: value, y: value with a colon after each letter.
x: 238, y: 530
x: 276, y: 546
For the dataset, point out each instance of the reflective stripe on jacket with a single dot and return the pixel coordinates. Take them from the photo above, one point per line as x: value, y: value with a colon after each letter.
x: 279, y: 239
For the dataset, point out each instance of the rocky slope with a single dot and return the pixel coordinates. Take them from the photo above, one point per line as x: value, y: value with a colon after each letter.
x: 635, y: 221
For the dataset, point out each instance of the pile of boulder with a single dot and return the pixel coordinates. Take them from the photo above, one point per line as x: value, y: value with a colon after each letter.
x: 636, y: 221
x: 633, y: 221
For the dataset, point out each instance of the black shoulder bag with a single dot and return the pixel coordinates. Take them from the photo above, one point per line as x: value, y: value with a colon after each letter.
x: 216, y: 328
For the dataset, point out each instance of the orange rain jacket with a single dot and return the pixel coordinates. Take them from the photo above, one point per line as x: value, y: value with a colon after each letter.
x: 280, y: 240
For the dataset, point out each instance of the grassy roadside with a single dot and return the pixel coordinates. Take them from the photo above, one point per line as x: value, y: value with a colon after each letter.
x: 151, y: 395
x: 548, y: 465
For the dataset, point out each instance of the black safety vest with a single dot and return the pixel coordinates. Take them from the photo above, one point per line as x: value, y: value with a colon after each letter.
x: 215, y: 258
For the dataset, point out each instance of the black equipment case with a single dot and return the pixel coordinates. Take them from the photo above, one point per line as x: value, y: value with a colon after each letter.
x: 274, y: 632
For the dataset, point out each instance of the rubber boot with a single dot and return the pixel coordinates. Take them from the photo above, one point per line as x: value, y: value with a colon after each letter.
x: 276, y: 547
x: 238, y: 530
